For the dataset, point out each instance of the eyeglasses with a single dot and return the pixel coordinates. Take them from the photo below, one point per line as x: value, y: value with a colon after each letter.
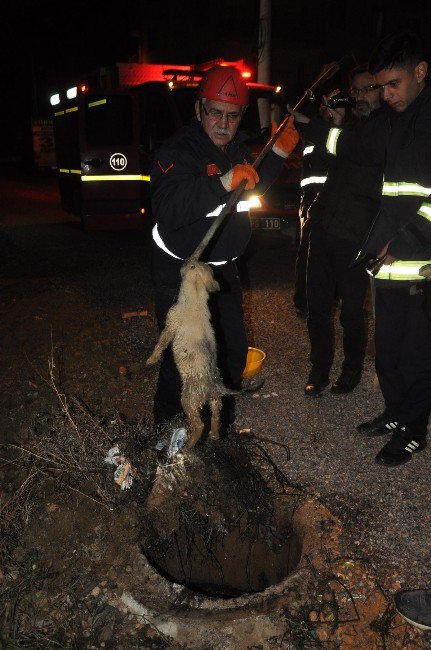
x: 217, y: 115
x: 357, y: 91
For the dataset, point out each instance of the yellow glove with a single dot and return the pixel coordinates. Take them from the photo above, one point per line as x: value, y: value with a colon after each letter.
x: 241, y: 172
x: 287, y: 141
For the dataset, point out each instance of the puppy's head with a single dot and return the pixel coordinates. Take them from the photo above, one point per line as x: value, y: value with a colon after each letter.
x: 207, y: 277
x: 200, y: 274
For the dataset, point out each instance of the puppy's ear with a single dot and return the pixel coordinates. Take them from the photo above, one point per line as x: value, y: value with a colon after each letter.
x: 214, y: 286
x: 211, y: 285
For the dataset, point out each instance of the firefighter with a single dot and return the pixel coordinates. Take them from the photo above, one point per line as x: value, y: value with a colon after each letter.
x: 315, y: 161
x: 339, y: 218
x: 191, y: 178
x: 400, y: 239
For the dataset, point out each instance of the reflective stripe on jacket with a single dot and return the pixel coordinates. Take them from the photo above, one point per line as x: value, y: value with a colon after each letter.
x: 402, y: 270
x: 160, y: 243
x: 331, y: 142
x: 241, y: 206
x: 403, y: 222
x: 313, y: 180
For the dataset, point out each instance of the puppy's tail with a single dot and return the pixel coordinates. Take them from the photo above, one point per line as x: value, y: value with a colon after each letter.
x: 248, y: 385
x: 223, y: 390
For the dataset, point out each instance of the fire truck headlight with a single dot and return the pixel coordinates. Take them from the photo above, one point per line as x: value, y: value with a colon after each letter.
x: 255, y: 202
x: 54, y: 99
x: 72, y: 92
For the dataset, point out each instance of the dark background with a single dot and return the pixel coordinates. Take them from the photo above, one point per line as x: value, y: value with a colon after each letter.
x: 48, y: 46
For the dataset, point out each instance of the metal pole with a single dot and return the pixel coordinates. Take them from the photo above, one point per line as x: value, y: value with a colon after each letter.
x: 264, y: 55
x: 264, y: 60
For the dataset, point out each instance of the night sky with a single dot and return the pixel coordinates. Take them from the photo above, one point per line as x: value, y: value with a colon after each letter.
x: 49, y: 45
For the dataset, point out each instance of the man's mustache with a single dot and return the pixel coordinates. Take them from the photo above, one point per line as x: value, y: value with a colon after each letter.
x: 220, y: 131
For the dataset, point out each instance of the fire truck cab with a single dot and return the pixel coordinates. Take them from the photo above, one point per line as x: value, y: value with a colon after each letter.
x: 106, y: 138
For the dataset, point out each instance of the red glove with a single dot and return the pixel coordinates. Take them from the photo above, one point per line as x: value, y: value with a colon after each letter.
x: 241, y: 172
x: 287, y: 141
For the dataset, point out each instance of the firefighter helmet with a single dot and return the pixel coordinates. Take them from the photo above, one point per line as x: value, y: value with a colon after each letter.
x: 224, y: 84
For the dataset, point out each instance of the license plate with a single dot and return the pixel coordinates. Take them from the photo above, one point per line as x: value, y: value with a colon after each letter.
x: 265, y: 223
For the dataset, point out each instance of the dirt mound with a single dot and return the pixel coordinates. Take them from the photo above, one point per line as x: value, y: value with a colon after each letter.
x: 207, y: 518
x: 217, y: 524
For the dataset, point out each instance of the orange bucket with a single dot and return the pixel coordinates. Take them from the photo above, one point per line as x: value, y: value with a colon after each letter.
x: 253, y: 365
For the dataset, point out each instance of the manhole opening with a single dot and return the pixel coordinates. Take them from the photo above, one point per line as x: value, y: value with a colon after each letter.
x: 247, y: 558
x: 219, y: 518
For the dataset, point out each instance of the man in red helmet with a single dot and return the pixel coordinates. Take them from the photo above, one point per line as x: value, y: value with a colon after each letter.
x: 192, y: 176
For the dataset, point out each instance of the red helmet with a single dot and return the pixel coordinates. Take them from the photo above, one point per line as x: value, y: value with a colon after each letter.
x: 224, y: 84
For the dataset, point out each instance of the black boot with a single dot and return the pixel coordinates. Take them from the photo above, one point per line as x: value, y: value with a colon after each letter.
x: 414, y: 605
x: 401, y: 447
x: 378, y: 426
x: 316, y: 384
x: 346, y: 382
x: 251, y: 384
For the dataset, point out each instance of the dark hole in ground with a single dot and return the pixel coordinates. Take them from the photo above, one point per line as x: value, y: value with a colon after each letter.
x: 218, y: 518
x: 233, y: 562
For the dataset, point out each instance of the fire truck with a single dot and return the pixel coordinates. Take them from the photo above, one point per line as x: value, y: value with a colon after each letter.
x: 107, y: 130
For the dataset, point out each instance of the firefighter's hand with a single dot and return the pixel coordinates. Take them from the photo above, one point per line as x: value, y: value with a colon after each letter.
x: 425, y: 270
x: 335, y: 115
x: 241, y: 172
x: 287, y: 140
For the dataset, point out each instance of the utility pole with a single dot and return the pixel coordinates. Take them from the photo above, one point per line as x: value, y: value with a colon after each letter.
x: 264, y: 46
x: 264, y: 58
x: 142, y: 37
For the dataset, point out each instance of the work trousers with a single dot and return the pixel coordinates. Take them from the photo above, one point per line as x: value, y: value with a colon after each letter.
x: 329, y: 274
x: 227, y: 319
x: 403, y: 356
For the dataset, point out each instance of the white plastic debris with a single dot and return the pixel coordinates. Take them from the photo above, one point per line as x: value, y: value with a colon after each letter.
x: 125, y: 472
x: 113, y: 456
x: 178, y: 438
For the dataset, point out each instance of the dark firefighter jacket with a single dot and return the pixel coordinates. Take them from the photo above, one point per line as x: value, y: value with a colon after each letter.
x: 315, y: 162
x: 350, y: 198
x: 187, y: 194
x: 404, y: 218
